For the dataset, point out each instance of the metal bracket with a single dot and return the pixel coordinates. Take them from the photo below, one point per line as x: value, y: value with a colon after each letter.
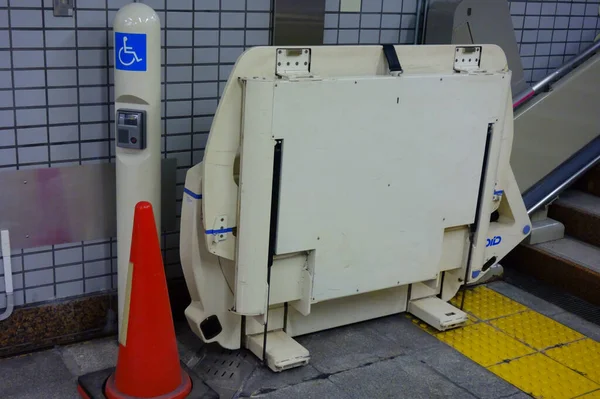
x: 467, y: 58
x: 219, y: 229
x: 293, y: 62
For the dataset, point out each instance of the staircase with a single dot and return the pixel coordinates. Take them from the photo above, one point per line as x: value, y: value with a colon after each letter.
x: 572, y: 264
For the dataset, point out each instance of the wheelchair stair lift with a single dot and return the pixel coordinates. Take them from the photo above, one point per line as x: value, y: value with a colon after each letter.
x: 345, y: 183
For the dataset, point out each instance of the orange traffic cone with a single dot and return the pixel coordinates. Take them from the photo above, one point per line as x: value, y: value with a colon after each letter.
x: 148, y: 363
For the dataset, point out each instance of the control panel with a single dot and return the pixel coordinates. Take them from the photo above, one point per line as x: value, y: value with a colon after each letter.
x: 131, y: 129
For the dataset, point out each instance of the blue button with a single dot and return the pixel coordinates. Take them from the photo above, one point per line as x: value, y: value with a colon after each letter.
x: 130, y: 51
x: 526, y: 229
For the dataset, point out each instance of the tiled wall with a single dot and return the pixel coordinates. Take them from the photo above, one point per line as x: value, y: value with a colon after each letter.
x: 55, y: 93
x: 551, y: 32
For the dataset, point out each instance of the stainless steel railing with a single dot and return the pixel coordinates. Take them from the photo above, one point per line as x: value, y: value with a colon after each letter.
x: 543, y: 84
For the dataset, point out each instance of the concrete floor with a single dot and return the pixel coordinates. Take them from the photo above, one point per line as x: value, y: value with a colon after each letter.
x: 383, y: 358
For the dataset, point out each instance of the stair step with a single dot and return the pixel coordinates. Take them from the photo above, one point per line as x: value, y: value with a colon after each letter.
x: 580, y: 213
x: 573, y: 250
x: 569, y: 264
x: 590, y: 182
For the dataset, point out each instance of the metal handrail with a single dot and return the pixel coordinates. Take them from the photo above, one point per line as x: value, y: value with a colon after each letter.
x: 543, y: 84
x: 550, y: 186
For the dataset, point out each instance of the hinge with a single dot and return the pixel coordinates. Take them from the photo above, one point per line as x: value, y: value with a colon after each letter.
x: 293, y: 62
x: 467, y: 58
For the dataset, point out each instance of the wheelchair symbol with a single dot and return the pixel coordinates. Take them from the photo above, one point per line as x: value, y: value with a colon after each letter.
x: 129, y: 51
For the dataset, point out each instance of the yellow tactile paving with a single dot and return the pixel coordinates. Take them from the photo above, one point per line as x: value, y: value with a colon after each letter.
x: 484, y: 344
x: 543, y: 377
x: 533, y: 352
x: 582, y: 356
x: 535, y: 330
x: 593, y: 395
x: 486, y: 304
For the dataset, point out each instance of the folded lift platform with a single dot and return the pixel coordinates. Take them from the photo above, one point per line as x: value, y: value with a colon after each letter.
x: 341, y: 184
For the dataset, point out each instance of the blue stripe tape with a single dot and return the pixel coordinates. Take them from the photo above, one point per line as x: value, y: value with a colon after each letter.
x: 192, y: 194
x: 499, y: 192
x: 219, y: 231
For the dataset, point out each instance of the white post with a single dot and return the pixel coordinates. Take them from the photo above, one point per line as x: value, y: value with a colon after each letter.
x: 137, y: 124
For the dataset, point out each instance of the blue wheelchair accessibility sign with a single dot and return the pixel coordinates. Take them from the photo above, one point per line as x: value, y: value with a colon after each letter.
x: 130, y: 51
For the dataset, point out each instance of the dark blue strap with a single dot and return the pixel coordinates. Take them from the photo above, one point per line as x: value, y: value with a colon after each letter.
x: 392, y: 58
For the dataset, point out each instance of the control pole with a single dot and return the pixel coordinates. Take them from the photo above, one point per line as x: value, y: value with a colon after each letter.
x: 137, y: 125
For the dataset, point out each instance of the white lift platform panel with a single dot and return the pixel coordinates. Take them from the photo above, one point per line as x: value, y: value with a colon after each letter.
x: 338, y: 186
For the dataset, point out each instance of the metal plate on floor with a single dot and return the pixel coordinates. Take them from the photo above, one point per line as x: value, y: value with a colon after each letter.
x: 224, y: 370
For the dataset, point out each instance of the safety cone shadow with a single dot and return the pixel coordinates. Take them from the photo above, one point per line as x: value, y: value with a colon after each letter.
x: 148, y: 362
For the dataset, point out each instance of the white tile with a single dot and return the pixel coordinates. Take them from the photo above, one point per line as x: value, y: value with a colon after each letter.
x: 350, y: 5
x: 33, y: 135
x: 27, y: 38
x: 103, y: 283
x: 332, y: 5
x: 66, y: 273
x: 63, y: 115
x: 39, y: 277
x: 39, y: 294
x: 69, y: 289
x: 28, y: 58
x: 30, y: 97
x: 91, y: 19
x: 31, y: 116
x: 206, y: 20
x: 26, y: 18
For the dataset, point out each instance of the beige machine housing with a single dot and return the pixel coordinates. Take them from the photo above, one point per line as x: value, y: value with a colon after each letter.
x: 333, y: 191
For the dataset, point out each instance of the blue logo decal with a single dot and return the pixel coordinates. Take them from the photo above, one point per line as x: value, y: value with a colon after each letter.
x: 491, y: 242
x: 475, y: 273
x: 130, y: 51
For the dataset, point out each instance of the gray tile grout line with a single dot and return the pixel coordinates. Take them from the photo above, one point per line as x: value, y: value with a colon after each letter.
x: 12, y: 75
x: 551, y: 43
x: 10, y: 42
x: 163, y: 154
x: 108, y: 127
x: 76, y: 25
x: 381, y: 22
x: 192, y: 84
x: 537, y: 32
x: 48, y: 129
x: 360, y: 21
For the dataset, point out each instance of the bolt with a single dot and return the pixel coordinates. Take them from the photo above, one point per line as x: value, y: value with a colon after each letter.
x: 26, y: 235
x: 24, y: 181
